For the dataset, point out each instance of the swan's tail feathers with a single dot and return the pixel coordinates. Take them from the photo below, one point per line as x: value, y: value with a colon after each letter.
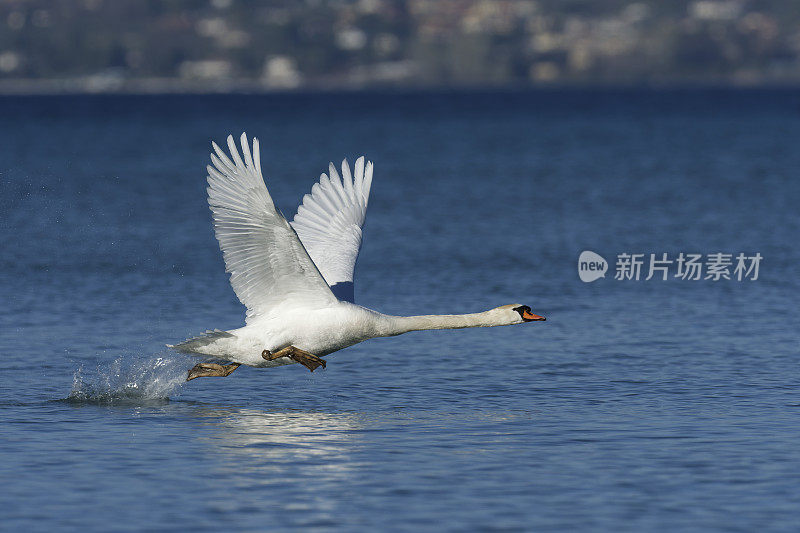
x: 194, y: 345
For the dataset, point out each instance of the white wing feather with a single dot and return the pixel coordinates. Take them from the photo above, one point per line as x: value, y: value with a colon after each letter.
x: 268, y: 264
x: 329, y: 220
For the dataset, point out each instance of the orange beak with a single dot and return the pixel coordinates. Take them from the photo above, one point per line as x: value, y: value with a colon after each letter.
x: 528, y: 316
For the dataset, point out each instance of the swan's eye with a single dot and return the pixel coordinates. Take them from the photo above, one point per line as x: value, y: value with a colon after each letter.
x: 526, y: 314
x: 522, y: 309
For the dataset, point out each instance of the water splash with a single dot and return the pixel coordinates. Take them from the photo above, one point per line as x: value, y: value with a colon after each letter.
x: 131, y: 381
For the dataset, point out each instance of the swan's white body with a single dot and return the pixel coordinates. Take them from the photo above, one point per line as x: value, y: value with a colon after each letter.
x: 296, y: 280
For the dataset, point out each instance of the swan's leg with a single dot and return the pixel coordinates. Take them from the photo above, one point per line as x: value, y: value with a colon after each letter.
x: 208, y: 370
x: 308, y: 360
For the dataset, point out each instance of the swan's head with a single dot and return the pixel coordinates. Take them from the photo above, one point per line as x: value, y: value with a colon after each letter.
x: 518, y: 313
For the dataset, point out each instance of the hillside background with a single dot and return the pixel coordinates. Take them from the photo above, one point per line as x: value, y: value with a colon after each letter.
x: 224, y: 45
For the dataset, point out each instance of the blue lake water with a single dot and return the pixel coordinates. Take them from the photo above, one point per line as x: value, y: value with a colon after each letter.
x: 638, y: 406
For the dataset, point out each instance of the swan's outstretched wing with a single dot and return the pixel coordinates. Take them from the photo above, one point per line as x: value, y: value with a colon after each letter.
x: 268, y: 264
x: 329, y: 223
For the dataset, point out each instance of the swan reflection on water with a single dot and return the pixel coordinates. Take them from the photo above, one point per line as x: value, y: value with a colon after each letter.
x: 273, y: 447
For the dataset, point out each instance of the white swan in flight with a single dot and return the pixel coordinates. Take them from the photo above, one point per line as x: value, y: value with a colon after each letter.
x: 296, y: 279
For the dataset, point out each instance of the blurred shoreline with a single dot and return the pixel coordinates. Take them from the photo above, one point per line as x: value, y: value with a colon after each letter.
x: 232, y: 46
x: 166, y: 86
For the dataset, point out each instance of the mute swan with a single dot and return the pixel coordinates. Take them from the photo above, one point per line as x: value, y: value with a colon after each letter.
x: 296, y: 279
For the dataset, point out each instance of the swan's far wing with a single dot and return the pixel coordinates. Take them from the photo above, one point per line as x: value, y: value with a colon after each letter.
x: 267, y: 262
x: 329, y: 223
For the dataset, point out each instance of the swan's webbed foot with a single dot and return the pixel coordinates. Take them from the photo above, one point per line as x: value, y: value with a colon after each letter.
x: 308, y: 360
x: 208, y: 370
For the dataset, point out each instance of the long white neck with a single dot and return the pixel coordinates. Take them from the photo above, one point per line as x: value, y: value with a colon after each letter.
x: 395, y: 325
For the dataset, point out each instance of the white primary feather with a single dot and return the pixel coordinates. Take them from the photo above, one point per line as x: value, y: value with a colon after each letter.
x: 330, y: 219
x: 268, y: 264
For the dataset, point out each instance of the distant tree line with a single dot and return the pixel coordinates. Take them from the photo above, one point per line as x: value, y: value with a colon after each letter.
x: 111, y: 44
